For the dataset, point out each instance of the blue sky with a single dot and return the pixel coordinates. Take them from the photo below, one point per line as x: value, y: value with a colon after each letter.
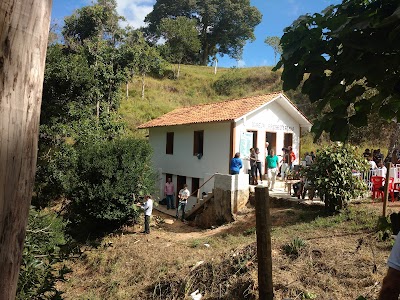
x: 277, y: 14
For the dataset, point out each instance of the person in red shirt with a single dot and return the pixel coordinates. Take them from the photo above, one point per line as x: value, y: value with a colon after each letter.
x: 292, y: 157
x: 169, y: 193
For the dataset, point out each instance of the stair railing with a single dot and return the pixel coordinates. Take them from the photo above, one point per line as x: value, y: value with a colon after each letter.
x: 198, y: 190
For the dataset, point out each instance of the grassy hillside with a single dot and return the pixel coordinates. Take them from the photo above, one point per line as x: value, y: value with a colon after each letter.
x: 199, y: 84
x: 196, y: 85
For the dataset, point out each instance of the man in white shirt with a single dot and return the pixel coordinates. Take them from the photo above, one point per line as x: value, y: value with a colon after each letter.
x: 391, y: 283
x: 148, y: 210
x: 183, y: 195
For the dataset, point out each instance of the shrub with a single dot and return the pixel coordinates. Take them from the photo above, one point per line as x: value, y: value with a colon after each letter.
x: 293, y: 249
x: 332, y: 174
x: 41, y: 268
x: 108, y: 172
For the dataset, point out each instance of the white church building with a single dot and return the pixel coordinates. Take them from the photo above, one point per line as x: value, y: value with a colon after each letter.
x: 191, y: 144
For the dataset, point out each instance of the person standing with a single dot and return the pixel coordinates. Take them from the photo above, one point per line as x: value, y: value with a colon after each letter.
x: 308, y: 159
x: 236, y: 164
x: 148, y: 210
x: 183, y: 196
x: 312, y: 156
x: 285, y: 163
x: 253, y: 165
x: 391, y: 283
x: 169, y: 193
x: 292, y: 158
x: 272, y: 169
x: 258, y: 165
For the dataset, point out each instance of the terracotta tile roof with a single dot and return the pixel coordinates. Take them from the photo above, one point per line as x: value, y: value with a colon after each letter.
x: 213, y: 112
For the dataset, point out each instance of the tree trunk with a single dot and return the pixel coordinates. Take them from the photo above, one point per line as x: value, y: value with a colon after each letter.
x: 143, y: 77
x: 393, y: 141
x: 24, y: 29
x: 179, y: 70
x: 127, y: 90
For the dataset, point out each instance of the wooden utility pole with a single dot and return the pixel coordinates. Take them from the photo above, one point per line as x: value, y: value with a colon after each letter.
x: 263, y: 227
x: 386, y: 189
x: 24, y: 30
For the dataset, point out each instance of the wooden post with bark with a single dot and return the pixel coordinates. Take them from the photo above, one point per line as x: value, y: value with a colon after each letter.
x: 24, y: 30
x: 263, y: 228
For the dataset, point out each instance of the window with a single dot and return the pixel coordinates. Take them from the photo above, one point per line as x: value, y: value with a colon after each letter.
x: 198, y: 142
x: 254, y: 138
x: 170, y: 143
x: 195, y: 184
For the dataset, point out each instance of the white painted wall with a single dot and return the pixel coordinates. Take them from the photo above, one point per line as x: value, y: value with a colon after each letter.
x: 272, y: 118
x: 215, y: 158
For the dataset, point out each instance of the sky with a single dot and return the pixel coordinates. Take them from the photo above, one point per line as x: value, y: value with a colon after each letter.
x: 277, y: 15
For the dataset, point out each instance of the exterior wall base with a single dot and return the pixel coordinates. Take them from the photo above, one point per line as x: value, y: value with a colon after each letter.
x: 231, y: 194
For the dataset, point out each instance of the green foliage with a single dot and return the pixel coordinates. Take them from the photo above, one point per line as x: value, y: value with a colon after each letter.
x: 41, y: 266
x: 235, y: 82
x: 223, y: 26
x: 107, y: 173
x: 332, y: 175
x: 350, y: 53
x: 294, y: 248
x: 181, y: 38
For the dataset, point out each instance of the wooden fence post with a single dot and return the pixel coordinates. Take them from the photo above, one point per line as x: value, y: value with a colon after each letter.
x: 386, y: 189
x: 263, y: 227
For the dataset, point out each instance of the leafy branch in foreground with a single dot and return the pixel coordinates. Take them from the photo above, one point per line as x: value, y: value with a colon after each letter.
x: 350, y: 57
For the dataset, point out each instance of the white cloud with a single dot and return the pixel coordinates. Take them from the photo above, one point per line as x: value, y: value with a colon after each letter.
x: 135, y: 11
x: 241, y: 63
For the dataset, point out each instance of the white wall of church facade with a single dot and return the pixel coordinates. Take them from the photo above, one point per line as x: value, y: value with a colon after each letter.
x: 271, y: 118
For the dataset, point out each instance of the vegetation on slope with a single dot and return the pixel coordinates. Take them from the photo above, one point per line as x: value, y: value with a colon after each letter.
x: 196, y: 85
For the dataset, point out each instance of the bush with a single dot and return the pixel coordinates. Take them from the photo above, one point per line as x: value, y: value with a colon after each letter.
x: 108, y: 172
x: 41, y: 268
x: 332, y: 174
x: 294, y: 248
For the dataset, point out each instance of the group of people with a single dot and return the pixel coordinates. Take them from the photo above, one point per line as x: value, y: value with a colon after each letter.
x: 183, y: 196
x: 169, y: 191
x: 273, y: 166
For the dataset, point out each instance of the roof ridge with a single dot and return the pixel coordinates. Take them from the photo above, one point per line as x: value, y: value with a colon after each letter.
x: 228, y: 100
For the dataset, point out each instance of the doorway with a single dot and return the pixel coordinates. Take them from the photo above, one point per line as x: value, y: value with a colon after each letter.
x: 270, y: 137
x: 180, y: 181
x: 254, y: 138
x: 288, y: 140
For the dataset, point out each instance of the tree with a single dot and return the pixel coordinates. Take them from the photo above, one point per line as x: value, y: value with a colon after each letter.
x: 274, y: 43
x: 332, y: 175
x: 181, y: 38
x: 223, y: 26
x: 24, y: 29
x: 349, y: 56
x: 95, y: 29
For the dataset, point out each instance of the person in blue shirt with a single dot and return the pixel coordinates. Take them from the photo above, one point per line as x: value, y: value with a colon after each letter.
x: 272, y: 169
x: 236, y: 164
